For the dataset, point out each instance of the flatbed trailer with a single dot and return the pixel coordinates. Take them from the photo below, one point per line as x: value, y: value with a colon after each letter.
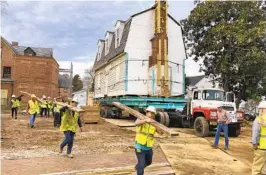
x: 169, y: 109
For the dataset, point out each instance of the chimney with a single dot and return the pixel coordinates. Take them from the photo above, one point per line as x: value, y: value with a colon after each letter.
x: 14, y: 43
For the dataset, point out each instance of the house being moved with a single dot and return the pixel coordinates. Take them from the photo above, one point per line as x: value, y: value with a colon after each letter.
x: 143, y: 56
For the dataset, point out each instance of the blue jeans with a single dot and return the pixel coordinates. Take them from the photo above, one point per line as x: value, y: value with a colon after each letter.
x: 218, y: 132
x: 32, y: 119
x: 69, y: 140
x: 144, y: 160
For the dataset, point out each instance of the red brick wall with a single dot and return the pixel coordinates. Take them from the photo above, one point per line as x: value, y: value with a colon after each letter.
x: 7, y: 57
x: 64, y: 93
x: 31, y: 74
x: 36, y: 75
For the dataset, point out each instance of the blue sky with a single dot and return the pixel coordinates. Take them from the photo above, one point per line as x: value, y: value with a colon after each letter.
x: 72, y: 29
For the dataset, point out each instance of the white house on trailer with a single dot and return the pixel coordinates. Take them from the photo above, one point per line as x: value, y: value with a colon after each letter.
x: 122, y: 61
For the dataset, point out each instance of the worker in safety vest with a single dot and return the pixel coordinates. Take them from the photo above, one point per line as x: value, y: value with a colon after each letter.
x: 69, y: 122
x: 43, y: 106
x: 14, y: 106
x: 49, y: 106
x: 145, y: 140
x: 32, y: 109
x: 57, y: 117
x: 259, y: 140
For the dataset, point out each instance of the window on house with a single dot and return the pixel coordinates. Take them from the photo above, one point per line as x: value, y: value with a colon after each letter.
x: 117, y: 37
x: 6, y: 72
x: 106, y: 46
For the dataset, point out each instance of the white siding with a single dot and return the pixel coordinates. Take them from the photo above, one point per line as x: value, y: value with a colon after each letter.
x: 82, y: 97
x: 110, y: 80
x: 176, y: 54
x: 138, y: 47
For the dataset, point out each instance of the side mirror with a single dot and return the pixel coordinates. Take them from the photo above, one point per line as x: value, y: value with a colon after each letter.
x: 230, y: 97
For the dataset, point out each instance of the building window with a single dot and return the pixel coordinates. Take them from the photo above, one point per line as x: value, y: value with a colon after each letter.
x: 117, y: 37
x: 99, y: 52
x: 6, y: 72
x: 106, y: 47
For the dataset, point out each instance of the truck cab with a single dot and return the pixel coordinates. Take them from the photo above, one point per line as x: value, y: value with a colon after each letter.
x: 203, y: 110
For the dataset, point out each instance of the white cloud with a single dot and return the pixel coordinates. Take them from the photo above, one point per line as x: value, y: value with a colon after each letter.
x: 192, y: 68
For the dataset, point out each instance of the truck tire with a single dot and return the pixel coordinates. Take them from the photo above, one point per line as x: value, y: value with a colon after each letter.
x: 201, y: 127
x: 161, y: 118
x: 167, y: 119
x: 103, y: 113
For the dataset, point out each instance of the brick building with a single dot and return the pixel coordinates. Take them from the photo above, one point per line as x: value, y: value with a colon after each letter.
x: 29, y: 69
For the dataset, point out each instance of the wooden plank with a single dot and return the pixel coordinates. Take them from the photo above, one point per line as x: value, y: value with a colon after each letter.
x: 72, y: 108
x: 137, y: 114
x: 121, y: 122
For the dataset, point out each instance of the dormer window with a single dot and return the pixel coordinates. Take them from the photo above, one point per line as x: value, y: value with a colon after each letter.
x: 106, y: 46
x: 117, y: 37
x: 29, y: 52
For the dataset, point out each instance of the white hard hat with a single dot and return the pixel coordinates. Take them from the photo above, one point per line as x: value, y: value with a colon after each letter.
x: 13, y: 96
x: 151, y: 109
x: 75, y: 99
x: 262, y: 105
x: 43, y: 96
x: 33, y: 96
x: 48, y: 97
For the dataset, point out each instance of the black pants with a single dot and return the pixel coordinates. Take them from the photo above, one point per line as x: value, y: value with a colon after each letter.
x: 57, y: 119
x: 144, y: 160
x: 43, y: 110
x: 14, y: 110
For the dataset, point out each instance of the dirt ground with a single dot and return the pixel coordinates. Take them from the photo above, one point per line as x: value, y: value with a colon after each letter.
x: 104, y: 145
x: 100, y: 145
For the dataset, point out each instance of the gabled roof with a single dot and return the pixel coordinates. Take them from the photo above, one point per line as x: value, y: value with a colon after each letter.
x: 40, y: 52
x: 194, y: 80
x: 63, y: 81
x: 113, y: 52
x: 9, y: 45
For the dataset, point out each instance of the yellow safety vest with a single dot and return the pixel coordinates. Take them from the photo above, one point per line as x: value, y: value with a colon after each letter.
x: 262, y: 141
x: 34, y: 107
x: 43, y: 105
x: 14, y: 103
x: 17, y: 103
x: 69, y: 122
x: 57, y: 108
x: 145, y: 134
x: 50, y: 105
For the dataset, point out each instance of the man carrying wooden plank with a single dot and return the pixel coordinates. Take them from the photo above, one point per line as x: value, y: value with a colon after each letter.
x: 145, y: 140
x: 32, y: 109
x: 69, y: 122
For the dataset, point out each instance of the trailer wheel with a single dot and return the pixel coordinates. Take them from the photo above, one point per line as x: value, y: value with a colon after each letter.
x: 161, y: 118
x: 201, y: 127
x: 167, y: 119
x: 103, y: 113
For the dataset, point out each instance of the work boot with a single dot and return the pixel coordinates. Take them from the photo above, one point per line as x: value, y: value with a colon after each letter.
x: 214, y: 146
x: 70, y: 156
x: 226, y: 148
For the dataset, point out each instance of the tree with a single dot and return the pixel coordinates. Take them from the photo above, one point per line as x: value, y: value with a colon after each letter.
x: 228, y: 37
x: 89, y: 79
x: 77, y: 83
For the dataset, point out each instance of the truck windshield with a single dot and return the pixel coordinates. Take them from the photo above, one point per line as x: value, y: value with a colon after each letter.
x: 213, y: 95
x: 228, y: 108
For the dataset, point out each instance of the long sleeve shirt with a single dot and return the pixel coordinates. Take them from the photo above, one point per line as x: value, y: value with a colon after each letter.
x: 64, y: 108
x: 255, y: 132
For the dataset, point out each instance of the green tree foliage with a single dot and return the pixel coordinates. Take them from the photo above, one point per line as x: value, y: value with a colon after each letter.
x: 228, y: 37
x: 77, y: 83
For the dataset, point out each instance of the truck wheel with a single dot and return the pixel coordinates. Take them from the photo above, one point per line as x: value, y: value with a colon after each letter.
x: 167, y: 119
x: 234, y: 131
x: 103, y: 113
x: 161, y: 118
x: 201, y: 127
